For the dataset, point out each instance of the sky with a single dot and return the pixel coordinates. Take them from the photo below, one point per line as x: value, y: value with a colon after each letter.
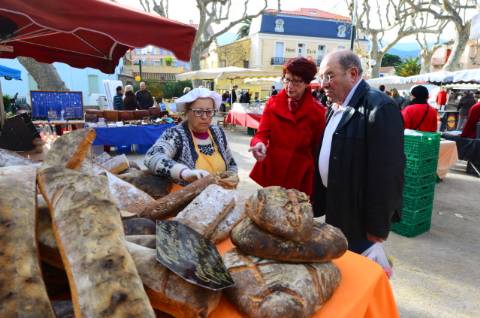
x: 186, y: 11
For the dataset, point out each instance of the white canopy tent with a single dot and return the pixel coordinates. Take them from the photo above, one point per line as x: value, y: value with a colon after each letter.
x: 467, y: 76
x: 229, y: 73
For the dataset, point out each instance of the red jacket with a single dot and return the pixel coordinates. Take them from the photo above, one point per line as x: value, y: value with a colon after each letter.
x: 470, y: 128
x: 292, y: 142
x: 413, y: 114
x: 441, y: 98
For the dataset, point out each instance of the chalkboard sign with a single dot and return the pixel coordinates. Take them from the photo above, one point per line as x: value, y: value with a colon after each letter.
x: 56, y: 105
x: 191, y: 256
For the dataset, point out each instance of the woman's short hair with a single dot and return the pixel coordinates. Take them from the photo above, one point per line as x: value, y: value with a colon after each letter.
x: 301, y: 67
x: 128, y: 88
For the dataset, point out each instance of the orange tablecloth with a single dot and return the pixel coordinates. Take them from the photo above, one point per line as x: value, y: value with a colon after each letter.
x: 363, y: 292
x: 243, y: 119
x: 447, y: 157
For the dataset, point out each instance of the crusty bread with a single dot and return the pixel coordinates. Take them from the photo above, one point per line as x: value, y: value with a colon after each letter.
x: 116, y: 165
x: 11, y: 158
x: 285, y: 213
x: 269, y: 289
x: 207, y: 210
x: 22, y: 289
x: 156, y: 186
x: 325, y: 243
x: 222, y: 231
x: 103, y: 279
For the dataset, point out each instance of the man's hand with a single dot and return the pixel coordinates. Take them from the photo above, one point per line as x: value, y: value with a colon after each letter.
x: 259, y: 151
x: 375, y: 239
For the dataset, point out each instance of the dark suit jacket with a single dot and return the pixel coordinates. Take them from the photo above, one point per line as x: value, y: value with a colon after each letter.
x: 365, y: 177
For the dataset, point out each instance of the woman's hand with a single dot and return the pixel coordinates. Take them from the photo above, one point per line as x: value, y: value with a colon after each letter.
x: 191, y: 175
x: 259, y: 151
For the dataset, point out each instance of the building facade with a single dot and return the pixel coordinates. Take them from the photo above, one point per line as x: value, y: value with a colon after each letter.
x: 277, y: 37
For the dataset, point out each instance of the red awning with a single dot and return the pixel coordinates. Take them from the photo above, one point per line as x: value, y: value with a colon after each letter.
x: 85, y: 33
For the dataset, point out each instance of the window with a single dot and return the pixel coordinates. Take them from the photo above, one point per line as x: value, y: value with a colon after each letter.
x: 223, y: 63
x: 279, y: 25
x: 301, y: 49
x: 320, y: 53
x: 245, y: 63
x: 93, y: 85
x: 279, y: 48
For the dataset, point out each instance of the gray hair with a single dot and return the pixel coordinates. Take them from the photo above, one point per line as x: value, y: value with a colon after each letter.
x: 348, y: 59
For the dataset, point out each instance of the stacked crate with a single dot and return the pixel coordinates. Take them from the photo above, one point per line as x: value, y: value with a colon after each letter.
x: 419, y: 186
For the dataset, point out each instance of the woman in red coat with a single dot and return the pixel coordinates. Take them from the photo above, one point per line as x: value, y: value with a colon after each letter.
x: 288, y: 137
x: 419, y: 115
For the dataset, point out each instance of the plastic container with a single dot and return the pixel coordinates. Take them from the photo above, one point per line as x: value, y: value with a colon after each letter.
x: 421, y: 147
x: 411, y: 230
x: 417, y: 216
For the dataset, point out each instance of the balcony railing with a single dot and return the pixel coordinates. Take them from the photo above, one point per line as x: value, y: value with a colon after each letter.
x: 283, y: 60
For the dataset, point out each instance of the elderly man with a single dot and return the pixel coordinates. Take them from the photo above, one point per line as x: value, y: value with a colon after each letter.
x: 361, y: 161
x: 144, y: 98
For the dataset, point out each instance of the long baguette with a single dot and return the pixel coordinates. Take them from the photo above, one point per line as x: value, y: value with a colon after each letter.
x: 22, y: 290
x: 103, y: 279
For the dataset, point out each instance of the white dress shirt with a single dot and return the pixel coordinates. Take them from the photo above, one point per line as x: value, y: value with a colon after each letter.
x: 324, y: 157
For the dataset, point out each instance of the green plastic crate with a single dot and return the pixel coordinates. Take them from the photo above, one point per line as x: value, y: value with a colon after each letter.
x: 420, y: 180
x: 422, y: 147
x: 417, y: 216
x: 420, y: 167
x: 413, y: 203
x: 418, y: 191
x: 411, y: 230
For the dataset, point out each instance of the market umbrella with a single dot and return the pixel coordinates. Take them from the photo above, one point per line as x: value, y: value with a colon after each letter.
x: 86, y: 33
x: 8, y: 73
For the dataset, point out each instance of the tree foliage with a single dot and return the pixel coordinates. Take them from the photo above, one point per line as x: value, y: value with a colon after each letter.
x: 391, y: 60
x: 411, y: 66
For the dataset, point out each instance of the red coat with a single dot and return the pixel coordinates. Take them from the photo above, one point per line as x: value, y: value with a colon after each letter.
x: 470, y: 128
x: 441, y: 98
x: 413, y: 114
x: 292, y: 142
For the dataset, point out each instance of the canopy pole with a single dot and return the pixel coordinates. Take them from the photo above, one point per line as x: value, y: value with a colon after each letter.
x: 2, y: 108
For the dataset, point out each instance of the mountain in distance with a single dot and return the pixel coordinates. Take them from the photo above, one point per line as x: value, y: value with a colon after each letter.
x: 405, y: 50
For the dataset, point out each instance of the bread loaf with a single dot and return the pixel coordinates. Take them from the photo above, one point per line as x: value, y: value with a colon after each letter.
x: 222, y: 231
x: 286, y: 213
x: 127, y: 196
x: 325, y: 243
x: 103, y: 278
x: 156, y: 186
x: 207, y: 210
x: 70, y: 150
x: 138, y: 226
x: 22, y: 290
x: 169, y: 292
x: 269, y: 289
x: 116, y: 165
x: 143, y: 240
x: 11, y: 158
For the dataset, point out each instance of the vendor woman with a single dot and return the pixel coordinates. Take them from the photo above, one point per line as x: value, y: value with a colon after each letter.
x: 194, y: 148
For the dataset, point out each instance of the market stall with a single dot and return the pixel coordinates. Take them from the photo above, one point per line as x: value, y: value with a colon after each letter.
x: 243, y: 115
x: 363, y: 292
x: 447, y: 157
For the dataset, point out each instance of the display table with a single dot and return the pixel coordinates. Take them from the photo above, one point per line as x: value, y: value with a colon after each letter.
x: 364, y: 291
x: 468, y: 149
x: 243, y: 119
x: 447, y: 157
x: 129, y: 135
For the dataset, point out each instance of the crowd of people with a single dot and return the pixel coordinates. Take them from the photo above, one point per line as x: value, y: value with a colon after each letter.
x: 126, y: 99
x: 348, y: 157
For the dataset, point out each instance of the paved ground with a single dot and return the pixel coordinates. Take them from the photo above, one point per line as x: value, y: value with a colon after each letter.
x: 435, y: 274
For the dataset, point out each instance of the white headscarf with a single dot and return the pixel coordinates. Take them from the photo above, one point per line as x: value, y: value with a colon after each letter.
x: 195, y: 94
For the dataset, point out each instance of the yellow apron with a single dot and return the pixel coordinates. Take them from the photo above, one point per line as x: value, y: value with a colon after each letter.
x: 213, y: 163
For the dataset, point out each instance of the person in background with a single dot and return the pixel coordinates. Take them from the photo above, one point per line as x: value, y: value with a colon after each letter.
x: 419, y: 115
x: 382, y: 88
x: 441, y: 98
x: 144, y: 98
x: 288, y: 137
x: 470, y: 127
x: 194, y: 148
x: 399, y: 100
x: 118, y: 99
x: 463, y: 108
x: 361, y: 161
x: 274, y: 91
x: 234, y: 94
x: 130, y: 100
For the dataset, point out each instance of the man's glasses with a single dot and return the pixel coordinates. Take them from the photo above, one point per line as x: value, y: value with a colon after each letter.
x: 295, y: 82
x: 327, y: 78
x: 200, y: 112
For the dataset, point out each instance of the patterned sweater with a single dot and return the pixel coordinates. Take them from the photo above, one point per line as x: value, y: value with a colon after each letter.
x: 174, y: 151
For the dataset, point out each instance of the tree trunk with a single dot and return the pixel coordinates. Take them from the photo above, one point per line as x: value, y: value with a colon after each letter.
x: 425, y: 60
x: 195, y: 62
x: 463, y: 33
x: 45, y: 75
x: 374, y: 54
